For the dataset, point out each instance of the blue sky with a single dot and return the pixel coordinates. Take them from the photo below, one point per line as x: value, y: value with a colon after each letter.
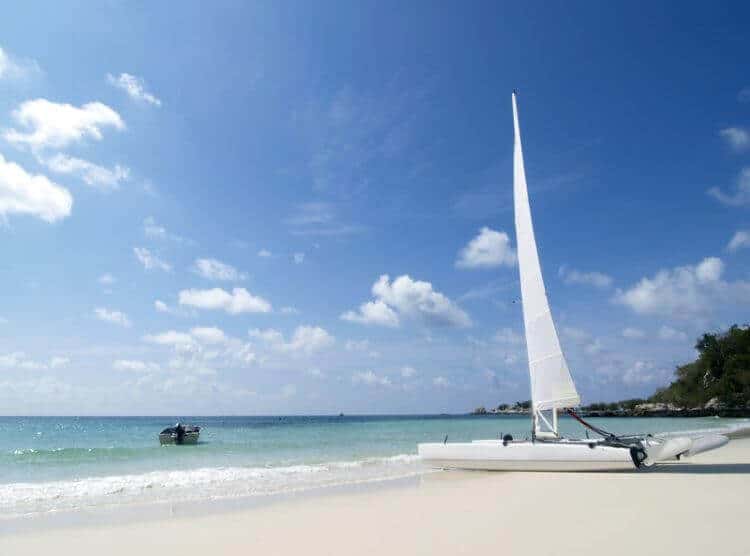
x: 261, y: 208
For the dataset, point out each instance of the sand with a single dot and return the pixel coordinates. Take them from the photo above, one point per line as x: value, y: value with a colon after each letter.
x: 701, y: 507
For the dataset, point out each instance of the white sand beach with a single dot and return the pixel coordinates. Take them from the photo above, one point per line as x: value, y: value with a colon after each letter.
x: 701, y: 507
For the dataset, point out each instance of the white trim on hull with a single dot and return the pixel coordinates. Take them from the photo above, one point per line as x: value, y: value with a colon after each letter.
x: 526, y: 456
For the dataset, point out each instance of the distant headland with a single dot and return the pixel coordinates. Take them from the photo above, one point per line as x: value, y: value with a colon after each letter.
x: 716, y: 383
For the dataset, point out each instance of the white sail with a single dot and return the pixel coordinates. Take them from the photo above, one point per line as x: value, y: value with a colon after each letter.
x: 551, y: 384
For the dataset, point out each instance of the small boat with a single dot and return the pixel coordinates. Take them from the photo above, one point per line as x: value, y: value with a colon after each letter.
x: 180, y: 434
x: 553, y: 390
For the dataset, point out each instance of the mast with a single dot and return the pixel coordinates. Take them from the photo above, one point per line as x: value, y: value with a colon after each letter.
x: 552, y: 387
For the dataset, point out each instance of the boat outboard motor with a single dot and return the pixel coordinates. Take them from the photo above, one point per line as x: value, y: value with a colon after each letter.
x: 507, y: 438
x: 180, y: 430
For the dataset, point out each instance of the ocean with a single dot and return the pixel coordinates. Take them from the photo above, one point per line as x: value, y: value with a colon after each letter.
x: 58, y: 464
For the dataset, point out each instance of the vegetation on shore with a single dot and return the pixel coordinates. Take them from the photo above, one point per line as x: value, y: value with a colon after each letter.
x: 717, y: 382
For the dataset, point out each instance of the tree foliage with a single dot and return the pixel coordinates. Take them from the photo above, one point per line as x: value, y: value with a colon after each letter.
x: 722, y: 370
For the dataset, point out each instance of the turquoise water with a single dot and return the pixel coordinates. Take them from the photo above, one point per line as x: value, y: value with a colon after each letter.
x: 52, y: 463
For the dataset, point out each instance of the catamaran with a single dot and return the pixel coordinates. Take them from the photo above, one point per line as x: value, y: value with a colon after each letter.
x: 552, y: 387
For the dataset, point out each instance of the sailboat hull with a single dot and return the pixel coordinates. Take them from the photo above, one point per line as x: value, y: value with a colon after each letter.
x: 526, y: 456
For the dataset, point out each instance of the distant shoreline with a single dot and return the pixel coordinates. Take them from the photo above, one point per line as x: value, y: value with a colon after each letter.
x: 697, y: 412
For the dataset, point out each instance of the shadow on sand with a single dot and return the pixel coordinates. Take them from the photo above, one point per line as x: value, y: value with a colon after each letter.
x: 704, y: 468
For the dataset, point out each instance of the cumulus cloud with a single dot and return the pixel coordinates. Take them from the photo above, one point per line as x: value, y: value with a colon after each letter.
x: 488, y: 249
x: 736, y: 137
x: 441, y: 382
x: 153, y: 230
x: 13, y: 68
x: 134, y: 86
x: 19, y: 360
x: 212, y: 269
x: 741, y: 194
x: 236, y: 302
x: 305, y: 339
x: 112, y: 316
x: 93, y: 175
x: 594, y: 278
x: 202, y: 349
x: 373, y: 312
x: 107, y: 279
x: 135, y: 365
x: 56, y: 125
x: 265, y: 253
x: 740, y: 240
x: 408, y: 372
x: 30, y: 194
x: 685, y: 291
x: 169, y: 338
x: 149, y: 260
x: 208, y: 334
x: 370, y: 379
x: 413, y: 299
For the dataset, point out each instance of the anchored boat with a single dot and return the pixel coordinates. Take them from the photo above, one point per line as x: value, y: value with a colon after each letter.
x: 180, y: 434
x: 552, y: 387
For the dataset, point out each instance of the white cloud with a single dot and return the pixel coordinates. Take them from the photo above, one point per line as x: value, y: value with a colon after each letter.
x: 149, y: 260
x: 596, y: 279
x: 12, y: 68
x: 488, y: 249
x: 741, y: 195
x: 112, y: 316
x: 305, y: 339
x: 56, y: 362
x: 289, y: 311
x: 153, y: 230
x: 633, y: 333
x: 134, y: 86
x: 298, y: 258
x: 309, y: 339
x: 408, y: 372
x: 135, y: 365
x: 107, y: 279
x: 418, y: 299
x: 208, y: 334
x: 736, y: 137
x: 239, y: 301
x: 441, y: 382
x: 19, y: 360
x: 685, y: 291
x: 739, y: 240
x: 170, y: 338
x: 373, y: 312
x: 671, y: 334
x: 57, y: 125
x: 265, y: 253
x: 371, y: 379
x: 267, y: 335
x: 212, y: 269
x: 93, y: 175
x: 411, y: 298
x: 35, y: 195
x: 318, y: 219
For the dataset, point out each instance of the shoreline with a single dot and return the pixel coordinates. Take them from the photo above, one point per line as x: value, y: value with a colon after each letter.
x: 452, y: 513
